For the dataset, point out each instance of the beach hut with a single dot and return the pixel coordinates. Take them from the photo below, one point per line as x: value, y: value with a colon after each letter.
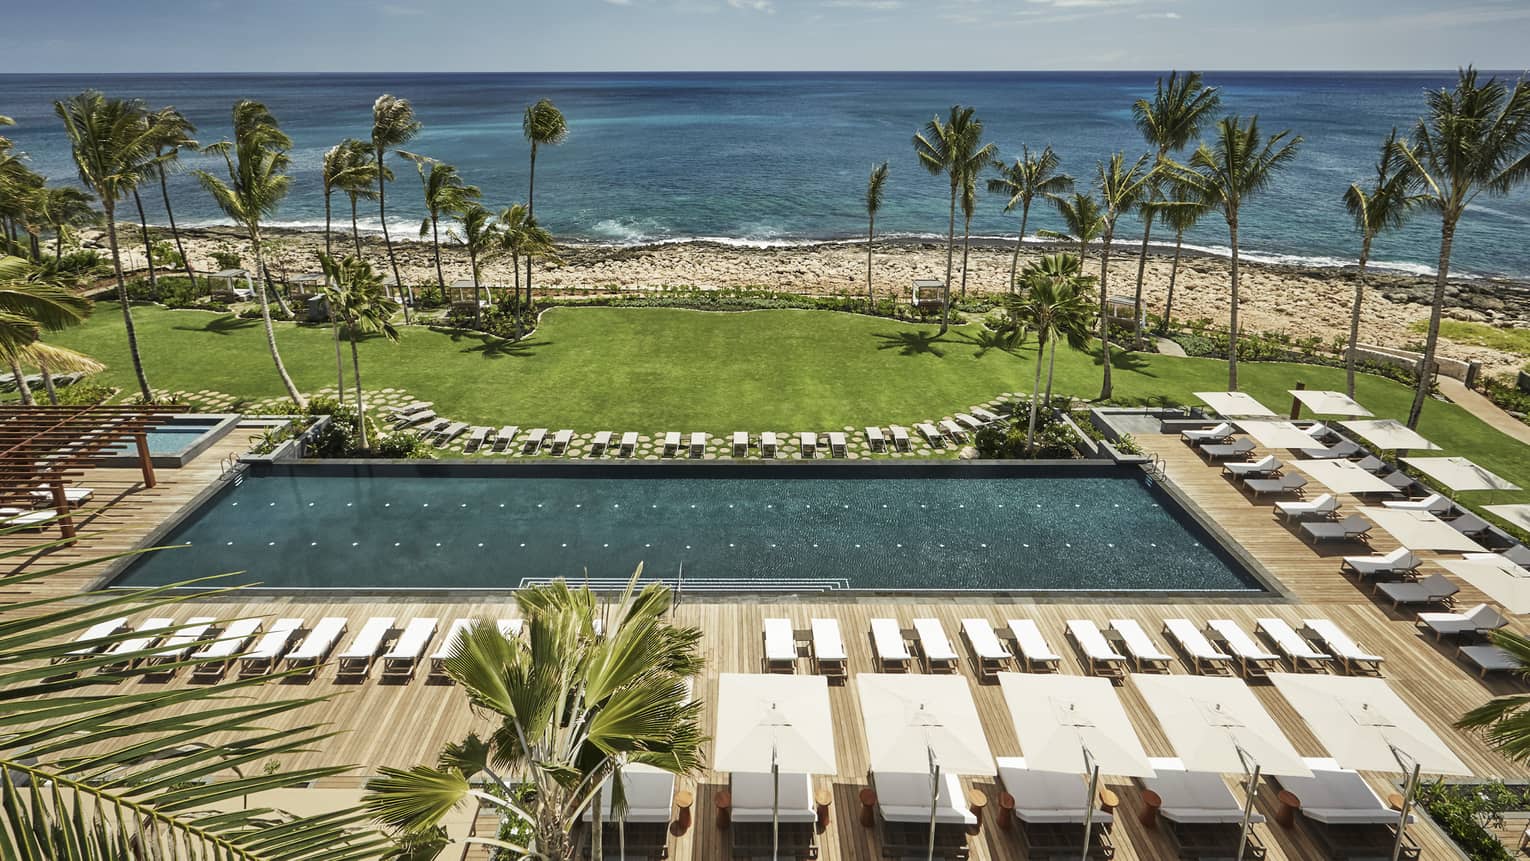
x: 231, y: 279
x: 927, y: 292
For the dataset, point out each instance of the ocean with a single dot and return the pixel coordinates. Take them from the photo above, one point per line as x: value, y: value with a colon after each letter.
x: 779, y: 158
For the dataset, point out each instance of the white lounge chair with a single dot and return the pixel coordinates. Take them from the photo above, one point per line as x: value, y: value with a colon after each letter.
x: 1397, y: 563
x: 85, y: 644
x: 952, y: 430
x: 1300, y: 653
x: 510, y: 629
x: 1434, y: 503
x: 180, y: 643
x: 1288, y: 483
x: 1049, y: 798
x: 1352, y: 657
x: 1254, y: 661
x: 477, y: 435
x: 807, y: 442
x: 988, y: 652
x: 671, y: 443
x: 698, y: 446
x: 905, y: 797
x: 1480, y: 619
x: 935, y: 647
x: 1204, y: 656
x: 400, y: 661
x: 561, y: 439
x: 649, y: 793
x: 448, y: 646
x: 504, y: 436
x: 740, y: 443
x: 768, y: 444
x: 16, y: 518
x: 967, y: 421
x: 1220, y: 432
x: 780, y: 646
x: 317, y: 645
x: 1324, y: 505
x: 534, y: 441
x: 600, y: 443
x: 414, y: 419
x: 445, y: 436
x: 356, y: 659
x: 931, y: 435
x: 1264, y: 467
x: 837, y: 445
x: 899, y: 437
x: 875, y: 439
x: 1340, y: 450
x: 1101, y: 659
x: 145, y: 636
x: 1235, y: 450
x: 829, y: 657
x: 1488, y: 658
x: 73, y: 496
x: 628, y: 445
x: 270, y: 648
x: 1353, y: 820
x: 215, y: 657
x: 1204, y: 817
x: 892, y: 649
x: 787, y: 798
x: 1145, y: 655
x: 1351, y: 528
x: 1431, y: 590
x: 1035, y: 653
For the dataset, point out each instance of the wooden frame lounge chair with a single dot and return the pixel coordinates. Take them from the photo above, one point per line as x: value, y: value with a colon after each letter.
x: 1406, y: 484
x: 1479, y: 620
x: 1205, y: 818
x: 1049, y: 813
x: 628, y: 444
x: 740, y: 443
x: 477, y: 435
x: 837, y: 445
x: 1342, y: 449
x: 1288, y: 483
x: 903, y: 808
x: 1233, y: 450
x: 317, y: 645
x: 899, y: 437
x: 890, y: 646
x: 400, y: 661
x: 952, y: 430
x: 1352, y: 657
x: 807, y: 443
x: 989, y: 655
x: 1145, y: 654
x: 34, y: 521
x: 875, y: 440
x: 1218, y: 433
x: 1300, y: 653
x: 145, y: 636
x: 967, y: 421
x: 504, y: 436
x: 768, y: 445
x: 86, y: 643
x: 355, y: 660
x: 447, y: 647
x: 780, y: 643
x: 829, y: 656
x: 409, y: 421
x: 1372, y: 464
x: 757, y: 800
x: 1100, y: 658
x: 671, y: 444
x: 270, y: 648
x: 561, y: 439
x: 429, y: 430
x: 1401, y: 562
x: 534, y: 440
x: 215, y: 657
x: 1032, y: 647
x: 1265, y: 467
x: 179, y: 644
x: 1351, y: 528
x: 409, y: 409
x: 600, y: 443
x: 698, y: 446
x: 643, y: 829
x: 1436, y: 589
x: 935, y: 647
x: 1470, y: 525
x: 1519, y: 554
x: 1324, y: 505
x: 1204, y: 657
x: 1253, y: 660
x: 987, y: 416
x: 930, y: 434
x: 1347, y: 817
x: 1488, y: 658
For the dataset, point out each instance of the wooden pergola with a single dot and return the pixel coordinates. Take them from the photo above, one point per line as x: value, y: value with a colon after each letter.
x: 42, y: 447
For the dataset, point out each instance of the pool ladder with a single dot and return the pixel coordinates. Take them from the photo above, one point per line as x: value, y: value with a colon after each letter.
x: 230, y: 467
x: 1156, y: 468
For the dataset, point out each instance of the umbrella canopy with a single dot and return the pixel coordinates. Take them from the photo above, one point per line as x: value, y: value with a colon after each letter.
x: 1420, y: 530
x: 1059, y: 717
x: 1342, y: 476
x: 1458, y: 473
x: 1498, y: 578
x: 1209, y: 720
x: 1390, y: 433
x: 765, y: 719
x: 1365, y: 725
x: 1329, y: 403
x: 909, y: 718
x: 1230, y: 404
x: 1516, y: 515
x: 1278, y: 434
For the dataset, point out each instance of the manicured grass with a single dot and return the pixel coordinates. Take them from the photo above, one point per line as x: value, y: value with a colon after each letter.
x: 1515, y: 341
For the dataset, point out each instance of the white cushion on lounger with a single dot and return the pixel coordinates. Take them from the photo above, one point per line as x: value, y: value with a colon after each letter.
x: 1338, y: 796
x: 411, y: 644
x: 984, y: 641
x: 320, y: 640
x: 1046, y: 796
x: 828, y: 645
x: 1193, y: 797
x: 650, y: 793
x: 752, y: 795
x: 1094, y: 644
x: 888, y: 638
x: 230, y: 640
x: 932, y: 638
x: 906, y: 798
x: 1033, y: 645
x: 780, y: 643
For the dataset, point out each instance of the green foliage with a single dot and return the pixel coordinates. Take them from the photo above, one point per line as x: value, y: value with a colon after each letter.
x: 253, y: 312
x: 84, y: 392
x: 1506, y: 394
x: 1006, y: 441
x: 1128, y: 444
x: 429, y: 297
x: 165, y: 254
x: 1466, y: 812
x: 227, y: 257
x: 1515, y: 341
x: 403, y: 445
x: 757, y: 299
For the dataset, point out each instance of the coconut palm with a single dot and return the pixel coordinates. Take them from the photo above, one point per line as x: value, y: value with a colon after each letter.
x: 1237, y: 165
x: 521, y: 236
x: 874, y: 185
x: 257, y: 160
x: 1384, y: 205
x: 444, y: 193
x: 1085, y: 222
x: 1030, y: 177
x: 1122, y: 188
x: 954, y: 148
x: 969, y: 208
x: 31, y: 303
x: 1054, y: 307
x: 61, y: 208
x: 479, y: 236
x: 543, y: 125
x: 113, y: 149
x: 347, y: 167
x: 356, y: 297
x: 1173, y: 118
x: 393, y: 125
x: 571, y: 708
x: 1473, y: 140
x: 1179, y: 209
x: 173, y: 133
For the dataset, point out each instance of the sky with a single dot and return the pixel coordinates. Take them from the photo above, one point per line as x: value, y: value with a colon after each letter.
x: 769, y: 35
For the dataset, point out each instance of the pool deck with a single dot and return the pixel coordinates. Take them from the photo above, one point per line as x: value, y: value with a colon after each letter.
x: 400, y: 725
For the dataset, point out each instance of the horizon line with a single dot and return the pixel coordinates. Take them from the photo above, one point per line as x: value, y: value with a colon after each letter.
x: 249, y: 72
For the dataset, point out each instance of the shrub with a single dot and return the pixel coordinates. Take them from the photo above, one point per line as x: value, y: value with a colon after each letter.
x: 227, y: 258
x: 402, y: 444
x: 1506, y: 394
x: 1467, y: 810
x: 1054, y: 439
x: 84, y: 392
x: 755, y: 299
x: 253, y: 312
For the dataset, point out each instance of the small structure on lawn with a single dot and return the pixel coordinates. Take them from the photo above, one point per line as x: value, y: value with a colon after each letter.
x: 231, y: 279
x: 928, y: 293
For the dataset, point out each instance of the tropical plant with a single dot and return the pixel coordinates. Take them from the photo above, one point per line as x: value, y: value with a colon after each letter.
x: 172, y: 134
x: 1082, y: 219
x: 543, y: 125
x: 521, y: 236
x: 1179, y: 208
x: 1173, y: 118
x: 445, y: 194
x: 1054, y: 307
x: 112, y: 149
x: 1384, y: 205
x: 573, y: 704
x: 953, y: 148
x: 347, y: 167
x: 1472, y: 141
x: 61, y: 208
x: 31, y: 303
x: 874, y: 187
x: 257, y: 160
x: 479, y: 236
x: 1030, y: 177
x: 393, y: 125
x: 1237, y: 165
x: 1122, y: 187
x: 356, y: 296
x: 969, y: 208
x: 1505, y: 721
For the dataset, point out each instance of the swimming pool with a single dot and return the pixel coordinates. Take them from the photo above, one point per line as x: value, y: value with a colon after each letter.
x: 175, y: 442
x: 740, y: 528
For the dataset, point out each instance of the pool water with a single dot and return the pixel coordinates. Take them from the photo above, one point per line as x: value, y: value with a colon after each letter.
x: 163, y: 440
x: 734, y: 528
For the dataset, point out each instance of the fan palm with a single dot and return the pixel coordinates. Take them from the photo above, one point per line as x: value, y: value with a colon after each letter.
x: 521, y: 236
x: 572, y: 708
x: 356, y: 297
x: 173, y: 133
x: 1179, y: 210
x: 347, y: 167
x: 112, y: 149
x: 31, y: 303
x: 257, y: 160
x: 953, y: 148
x: 874, y: 186
x: 1173, y: 118
x: 1030, y: 177
x: 1054, y: 307
x: 1385, y: 205
x: 1506, y: 720
x: 1472, y: 141
x: 479, y: 236
x: 1122, y: 188
x: 393, y: 125
x: 1237, y: 165
x: 444, y: 194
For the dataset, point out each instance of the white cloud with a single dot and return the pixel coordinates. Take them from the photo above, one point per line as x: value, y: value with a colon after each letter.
x: 1148, y: 16
x: 878, y: 5
x: 620, y: 2
x: 766, y: 6
x: 1083, y: 4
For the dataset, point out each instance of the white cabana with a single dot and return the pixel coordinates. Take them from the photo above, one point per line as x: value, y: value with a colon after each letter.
x: 1497, y: 577
x: 1517, y: 515
x: 1458, y: 473
x: 1390, y: 434
x: 1278, y: 434
x: 1420, y: 530
x: 768, y: 723
x: 1235, y: 404
x: 1329, y: 403
x: 1342, y: 476
x: 923, y: 723
x: 1366, y: 726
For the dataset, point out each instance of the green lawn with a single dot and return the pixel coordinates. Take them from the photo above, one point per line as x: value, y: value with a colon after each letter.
x: 649, y: 369
x: 1515, y: 341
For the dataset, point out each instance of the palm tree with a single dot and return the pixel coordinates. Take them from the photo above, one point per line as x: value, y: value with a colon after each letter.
x: 347, y: 167
x: 393, y: 125
x: 444, y: 193
x: 173, y: 133
x: 1030, y: 177
x: 1506, y: 720
x: 1385, y: 205
x: 874, y: 185
x: 1054, y: 307
x: 257, y: 163
x: 543, y: 125
x: 572, y: 708
x: 357, y: 298
x: 1122, y: 187
x: 1174, y: 117
x: 31, y: 303
x: 1472, y: 141
x: 112, y: 149
x: 969, y: 208
x: 479, y: 236
x: 954, y: 148
x: 521, y: 236
x: 1236, y: 166
x: 1179, y: 211
x: 63, y: 207
x: 1085, y: 223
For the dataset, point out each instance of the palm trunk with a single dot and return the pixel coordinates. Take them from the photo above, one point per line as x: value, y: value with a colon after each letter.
x: 58, y: 243
x: 1354, y: 318
x: 355, y: 231
x: 871, y: 232
x: 127, y: 310
x: 21, y: 381
x: 1014, y: 262
x: 339, y: 365
x: 265, y: 315
x: 1147, y: 232
x: 1232, y: 317
x: 35, y: 246
x: 361, y: 406
x: 435, y: 242
x: 175, y: 232
x: 966, y: 246
x: 328, y: 250
x: 1030, y: 433
x: 531, y: 211
x: 1426, y: 366
x: 382, y: 213
x: 1105, y: 385
x: 477, y: 290
x: 148, y: 247
x: 945, y: 289
x: 1168, y: 305
x: 1051, y: 369
x: 47, y: 378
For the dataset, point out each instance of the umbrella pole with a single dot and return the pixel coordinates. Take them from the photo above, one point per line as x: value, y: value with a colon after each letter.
x: 1409, y: 790
x: 1094, y: 787
x: 934, y: 798
x: 775, y: 806
x: 1249, y: 792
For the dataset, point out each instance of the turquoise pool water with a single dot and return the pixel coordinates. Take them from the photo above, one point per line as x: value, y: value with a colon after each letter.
x: 738, y: 528
x: 168, y: 439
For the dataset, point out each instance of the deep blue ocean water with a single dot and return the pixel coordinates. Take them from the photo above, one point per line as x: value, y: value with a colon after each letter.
x: 783, y: 157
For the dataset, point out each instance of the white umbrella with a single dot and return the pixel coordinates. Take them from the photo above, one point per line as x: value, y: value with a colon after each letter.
x: 1518, y: 515
x: 1497, y: 577
x: 1342, y: 476
x: 1074, y: 725
x: 767, y: 722
x: 1230, y: 404
x: 1390, y: 433
x: 1278, y: 434
x: 1420, y: 530
x: 917, y: 723
x: 1458, y: 473
x: 1329, y: 403
x: 1217, y: 725
x: 1366, y: 726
